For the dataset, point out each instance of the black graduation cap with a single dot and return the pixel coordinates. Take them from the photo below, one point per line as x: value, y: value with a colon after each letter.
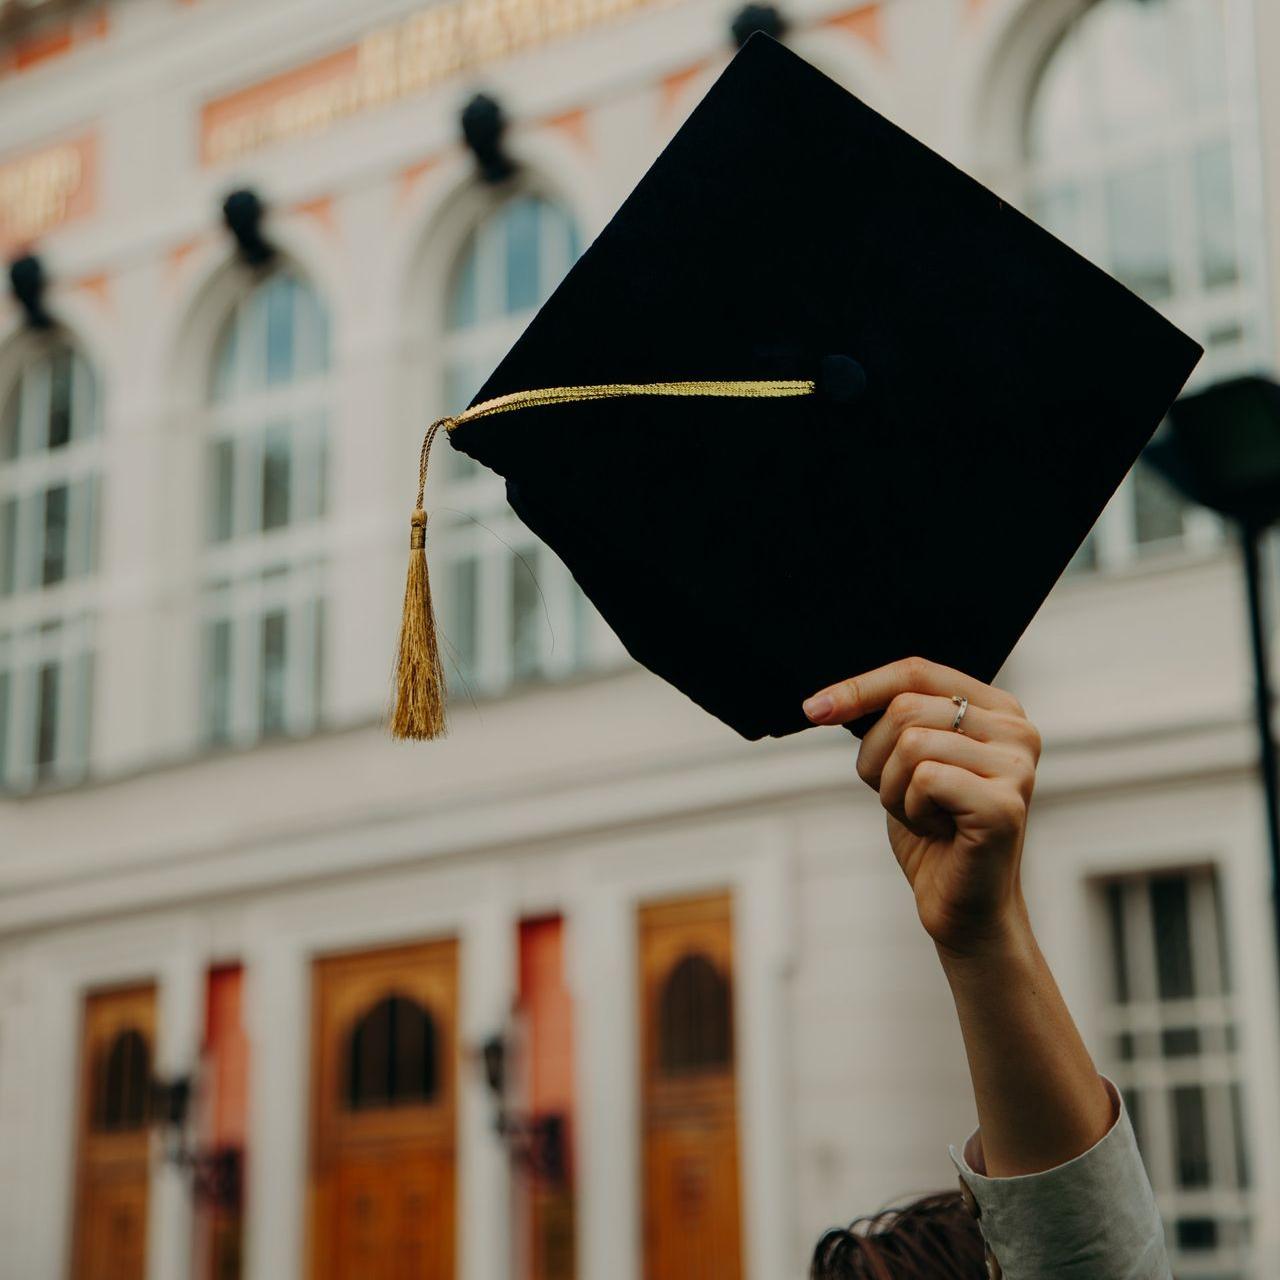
x: 813, y: 400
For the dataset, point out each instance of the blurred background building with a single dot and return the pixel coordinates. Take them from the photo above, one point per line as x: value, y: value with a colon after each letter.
x: 681, y: 970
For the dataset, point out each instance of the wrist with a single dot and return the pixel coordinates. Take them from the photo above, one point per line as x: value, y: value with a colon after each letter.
x: 1006, y: 941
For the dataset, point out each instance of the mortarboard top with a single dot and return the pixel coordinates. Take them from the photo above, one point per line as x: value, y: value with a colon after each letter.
x: 909, y: 404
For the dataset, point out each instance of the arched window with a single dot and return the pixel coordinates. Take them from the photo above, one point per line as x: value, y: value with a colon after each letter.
x: 695, y: 1024
x: 1143, y: 154
x: 392, y: 1056
x: 49, y: 500
x: 122, y: 1083
x: 266, y: 486
x: 511, y: 612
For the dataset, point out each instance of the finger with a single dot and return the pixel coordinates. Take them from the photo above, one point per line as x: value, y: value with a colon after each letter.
x: 967, y: 800
x: 875, y: 690
x: 930, y: 711
x: 916, y: 745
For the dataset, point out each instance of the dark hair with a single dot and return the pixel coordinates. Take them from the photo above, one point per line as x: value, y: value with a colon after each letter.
x: 933, y: 1238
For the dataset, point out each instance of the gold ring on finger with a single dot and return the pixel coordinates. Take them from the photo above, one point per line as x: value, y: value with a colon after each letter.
x: 962, y: 704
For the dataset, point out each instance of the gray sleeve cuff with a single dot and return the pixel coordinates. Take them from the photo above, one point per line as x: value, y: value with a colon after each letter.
x: 1093, y: 1218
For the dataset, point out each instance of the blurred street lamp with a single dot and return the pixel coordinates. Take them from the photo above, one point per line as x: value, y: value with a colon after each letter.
x: 534, y: 1142
x: 1222, y: 449
x: 217, y: 1175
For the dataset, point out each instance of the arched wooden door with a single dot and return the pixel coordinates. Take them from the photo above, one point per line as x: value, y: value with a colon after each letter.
x: 384, y: 1081
x: 113, y: 1165
x: 692, y: 1227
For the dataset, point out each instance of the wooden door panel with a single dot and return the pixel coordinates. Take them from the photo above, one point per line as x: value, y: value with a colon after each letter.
x: 114, y: 1228
x: 692, y: 1216
x: 113, y: 1148
x: 383, y: 1175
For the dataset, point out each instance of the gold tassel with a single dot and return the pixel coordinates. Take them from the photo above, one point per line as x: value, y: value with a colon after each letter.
x: 420, y: 697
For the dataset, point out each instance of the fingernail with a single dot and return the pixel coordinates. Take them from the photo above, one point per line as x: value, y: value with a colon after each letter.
x: 819, y: 706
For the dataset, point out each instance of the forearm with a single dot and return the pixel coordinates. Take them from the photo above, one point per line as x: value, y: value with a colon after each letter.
x: 1039, y: 1097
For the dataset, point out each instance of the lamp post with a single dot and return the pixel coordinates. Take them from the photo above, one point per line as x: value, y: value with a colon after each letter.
x: 1222, y: 449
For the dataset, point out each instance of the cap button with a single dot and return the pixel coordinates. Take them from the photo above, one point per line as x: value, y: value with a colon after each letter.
x: 841, y: 379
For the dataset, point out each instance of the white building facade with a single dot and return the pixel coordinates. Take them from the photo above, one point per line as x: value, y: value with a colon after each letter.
x: 213, y: 862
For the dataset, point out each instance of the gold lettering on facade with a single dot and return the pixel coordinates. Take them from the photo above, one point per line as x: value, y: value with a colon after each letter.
x: 42, y: 190
x: 391, y: 63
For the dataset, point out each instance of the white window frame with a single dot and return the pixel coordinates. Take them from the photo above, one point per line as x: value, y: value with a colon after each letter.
x: 475, y: 525
x: 253, y: 573
x: 1143, y: 1017
x: 49, y: 625
x: 1199, y: 310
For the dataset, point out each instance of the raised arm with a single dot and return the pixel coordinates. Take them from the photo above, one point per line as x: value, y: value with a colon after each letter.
x: 957, y: 801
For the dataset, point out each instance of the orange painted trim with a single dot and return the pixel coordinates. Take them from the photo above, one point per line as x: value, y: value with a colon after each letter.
x: 865, y: 23
x: 43, y: 46
x: 411, y: 175
x: 320, y: 210
x: 673, y: 86
x: 573, y: 125
x: 99, y: 286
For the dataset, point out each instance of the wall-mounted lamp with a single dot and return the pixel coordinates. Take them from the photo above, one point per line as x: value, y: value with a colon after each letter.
x: 483, y: 125
x: 536, y: 1143
x: 217, y: 1174
x: 243, y: 212
x: 27, y: 280
x: 757, y: 17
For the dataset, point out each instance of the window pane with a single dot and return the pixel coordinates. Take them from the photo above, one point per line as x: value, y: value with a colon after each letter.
x: 1138, y: 230
x: 1191, y: 1142
x: 522, y: 227
x: 224, y: 360
x: 317, y: 618
x: 526, y: 617
x: 1215, y: 206
x: 6, y: 702
x: 9, y: 423
x: 8, y: 546
x: 281, y: 335
x: 276, y: 471
x: 1238, y: 1134
x: 54, y: 565
x: 217, y: 680
x: 461, y: 382
x: 1119, y: 951
x: 1059, y: 209
x: 60, y: 375
x: 46, y: 726
x: 320, y: 447
x: 311, y: 322
x: 221, y: 490
x: 81, y: 718
x: 1197, y: 1233
x: 272, y: 694
x: 1172, y: 923
x: 462, y: 293
x: 462, y: 634
x: 81, y: 555
x: 1133, y: 1105
x: 1180, y: 1042
x: 1135, y: 76
x: 1158, y: 509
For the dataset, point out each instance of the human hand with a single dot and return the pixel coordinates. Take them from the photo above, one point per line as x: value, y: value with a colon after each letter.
x: 957, y: 801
